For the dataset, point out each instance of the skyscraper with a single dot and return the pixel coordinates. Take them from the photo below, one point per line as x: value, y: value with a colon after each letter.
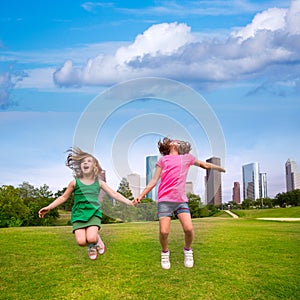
x: 150, y: 169
x: 213, y: 183
x: 134, y: 184
x: 263, y: 185
x: 236, y: 193
x: 292, y: 176
x: 251, y: 181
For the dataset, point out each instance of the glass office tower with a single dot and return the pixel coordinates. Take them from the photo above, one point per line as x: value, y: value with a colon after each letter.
x: 150, y: 169
x: 292, y: 176
x: 263, y: 185
x: 251, y: 184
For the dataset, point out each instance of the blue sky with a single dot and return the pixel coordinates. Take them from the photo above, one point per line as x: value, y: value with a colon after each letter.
x: 57, y: 57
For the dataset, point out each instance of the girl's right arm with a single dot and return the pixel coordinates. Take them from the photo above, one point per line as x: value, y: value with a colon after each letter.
x: 112, y: 193
x: 152, y: 183
x: 61, y: 199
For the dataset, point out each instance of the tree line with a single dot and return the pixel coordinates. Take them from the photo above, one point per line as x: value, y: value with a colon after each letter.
x: 291, y: 198
x: 19, y: 206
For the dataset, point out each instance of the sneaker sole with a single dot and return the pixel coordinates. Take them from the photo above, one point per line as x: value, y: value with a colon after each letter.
x: 102, y: 250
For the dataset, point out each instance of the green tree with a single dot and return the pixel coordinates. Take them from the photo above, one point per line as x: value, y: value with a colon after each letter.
x: 289, y: 198
x: 26, y: 191
x: 264, y: 202
x: 248, y: 203
x: 35, y: 199
x: 68, y: 204
x: 42, y: 197
x: 146, y: 210
x: 204, y: 212
x: 13, y: 211
x: 124, y: 212
x: 124, y: 189
x: 195, y: 205
x: 212, y: 209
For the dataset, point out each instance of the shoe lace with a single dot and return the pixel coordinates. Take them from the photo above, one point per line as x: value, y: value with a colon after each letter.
x: 165, y: 257
x: 92, y: 249
x: 188, y: 255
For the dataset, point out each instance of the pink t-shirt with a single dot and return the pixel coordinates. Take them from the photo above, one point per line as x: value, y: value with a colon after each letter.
x: 173, y: 177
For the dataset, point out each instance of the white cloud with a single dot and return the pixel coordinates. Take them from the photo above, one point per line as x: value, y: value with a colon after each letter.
x: 293, y: 17
x: 171, y: 50
x: 272, y: 19
x: 160, y: 39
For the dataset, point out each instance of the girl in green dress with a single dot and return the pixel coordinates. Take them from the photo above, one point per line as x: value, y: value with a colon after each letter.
x: 86, y: 211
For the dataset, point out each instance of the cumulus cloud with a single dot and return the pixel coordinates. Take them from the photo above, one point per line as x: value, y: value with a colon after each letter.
x: 256, y: 51
x: 272, y: 19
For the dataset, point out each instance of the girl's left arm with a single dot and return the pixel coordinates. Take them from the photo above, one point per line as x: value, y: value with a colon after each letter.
x: 207, y: 166
x: 117, y: 196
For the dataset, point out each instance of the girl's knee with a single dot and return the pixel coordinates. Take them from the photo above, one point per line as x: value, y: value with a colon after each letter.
x: 92, y: 240
x: 188, y: 230
x: 81, y: 242
x: 164, y: 234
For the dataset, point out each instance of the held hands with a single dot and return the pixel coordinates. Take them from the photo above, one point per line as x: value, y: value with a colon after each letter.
x: 133, y: 203
x: 138, y: 200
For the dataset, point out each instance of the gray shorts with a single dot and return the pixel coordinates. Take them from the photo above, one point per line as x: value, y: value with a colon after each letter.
x: 166, y: 209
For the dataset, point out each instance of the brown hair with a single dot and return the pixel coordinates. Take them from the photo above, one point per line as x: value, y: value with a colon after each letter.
x: 74, y: 159
x: 184, y: 147
x: 164, y: 146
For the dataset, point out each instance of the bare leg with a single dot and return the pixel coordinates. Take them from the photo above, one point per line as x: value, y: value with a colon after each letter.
x: 80, y: 236
x: 92, y: 235
x: 164, y: 229
x: 187, y: 225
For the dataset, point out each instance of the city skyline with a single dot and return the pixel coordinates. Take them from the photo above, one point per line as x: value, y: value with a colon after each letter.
x: 255, y: 185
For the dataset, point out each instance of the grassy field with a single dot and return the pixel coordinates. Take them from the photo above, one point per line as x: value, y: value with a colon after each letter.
x: 291, y: 212
x: 234, y: 259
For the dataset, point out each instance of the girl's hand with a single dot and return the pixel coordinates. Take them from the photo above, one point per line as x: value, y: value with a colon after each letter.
x: 133, y: 202
x: 43, y: 211
x: 138, y: 200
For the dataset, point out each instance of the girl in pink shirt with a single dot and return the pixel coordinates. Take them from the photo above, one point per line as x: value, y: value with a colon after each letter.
x: 172, y: 169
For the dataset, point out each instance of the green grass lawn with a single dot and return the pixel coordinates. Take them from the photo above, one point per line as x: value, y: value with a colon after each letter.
x: 291, y: 212
x: 234, y: 259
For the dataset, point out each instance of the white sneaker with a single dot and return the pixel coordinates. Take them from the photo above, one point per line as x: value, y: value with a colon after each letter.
x: 92, y: 252
x: 100, y: 246
x: 188, y: 258
x: 165, y: 260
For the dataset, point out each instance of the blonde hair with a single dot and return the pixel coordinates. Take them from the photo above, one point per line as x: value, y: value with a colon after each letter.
x: 75, y: 158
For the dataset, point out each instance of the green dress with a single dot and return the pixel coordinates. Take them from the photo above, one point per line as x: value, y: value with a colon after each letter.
x: 86, y: 204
